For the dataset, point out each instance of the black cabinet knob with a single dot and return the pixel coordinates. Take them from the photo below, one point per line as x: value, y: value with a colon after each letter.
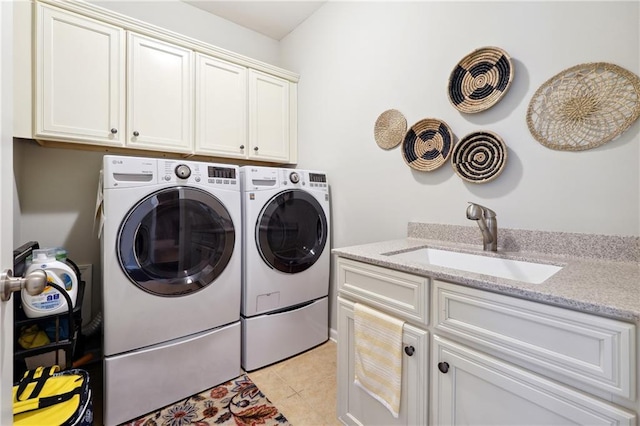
x: 255, y: 149
x: 114, y: 130
x: 241, y: 146
x: 136, y: 133
x: 409, y: 350
x: 443, y: 367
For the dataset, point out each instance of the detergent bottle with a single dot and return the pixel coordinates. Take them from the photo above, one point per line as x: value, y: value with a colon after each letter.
x: 50, y: 301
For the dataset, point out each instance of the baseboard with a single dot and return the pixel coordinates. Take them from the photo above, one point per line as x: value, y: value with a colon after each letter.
x: 333, y: 334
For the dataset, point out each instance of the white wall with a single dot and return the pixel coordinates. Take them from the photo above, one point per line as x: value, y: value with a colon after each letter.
x: 358, y: 59
x: 190, y: 21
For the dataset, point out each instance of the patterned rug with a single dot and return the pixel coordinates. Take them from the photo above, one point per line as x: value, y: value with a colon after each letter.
x: 237, y: 402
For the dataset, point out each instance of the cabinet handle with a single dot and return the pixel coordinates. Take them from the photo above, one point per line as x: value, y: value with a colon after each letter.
x: 114, y: 130
x: 255, y: 149
x: 443, y: 367
x: 409, y: 350
x: 136, y: 133
x: 241, y: 146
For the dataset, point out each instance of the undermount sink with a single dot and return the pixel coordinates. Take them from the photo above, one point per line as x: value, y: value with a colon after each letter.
x: 530, y: 272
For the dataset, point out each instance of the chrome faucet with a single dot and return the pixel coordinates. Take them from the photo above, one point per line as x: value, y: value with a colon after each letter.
x: 488, y: 224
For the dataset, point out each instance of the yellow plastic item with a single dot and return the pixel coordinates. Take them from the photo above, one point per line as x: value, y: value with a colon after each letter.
x: 33, y: 337
x: 41, y: 398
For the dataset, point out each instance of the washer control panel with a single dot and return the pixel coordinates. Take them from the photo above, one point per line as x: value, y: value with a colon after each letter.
x: 209, y: 174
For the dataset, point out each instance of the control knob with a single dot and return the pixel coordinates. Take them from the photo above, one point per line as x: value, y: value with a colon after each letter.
x: 183, y: 171
x: 294, y: 177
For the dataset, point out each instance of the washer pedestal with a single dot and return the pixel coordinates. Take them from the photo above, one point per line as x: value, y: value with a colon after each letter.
x: 273, y: 337
x: 145, y: 380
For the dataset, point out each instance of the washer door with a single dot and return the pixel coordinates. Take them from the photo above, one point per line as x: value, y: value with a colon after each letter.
x: 291, y: 231
x: 175, y: 241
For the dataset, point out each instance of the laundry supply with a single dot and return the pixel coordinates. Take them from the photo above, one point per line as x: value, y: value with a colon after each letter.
x: 50, y: 301
x: 32, y: 337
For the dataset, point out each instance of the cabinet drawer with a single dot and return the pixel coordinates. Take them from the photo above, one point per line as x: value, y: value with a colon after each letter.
x: 403, y: 295
x: 566, y: 345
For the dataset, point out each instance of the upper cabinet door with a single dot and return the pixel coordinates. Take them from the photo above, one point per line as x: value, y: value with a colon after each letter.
x: 269, y: 118
x: 160, y: 95
x: 221, y: 108
x: 80, y: 86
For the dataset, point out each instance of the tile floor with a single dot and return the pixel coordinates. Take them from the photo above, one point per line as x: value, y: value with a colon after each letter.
x: 303, y: 387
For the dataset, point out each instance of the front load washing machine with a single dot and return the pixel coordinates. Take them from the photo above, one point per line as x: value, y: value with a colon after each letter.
x: 286, y: 254
x: 171, y: 281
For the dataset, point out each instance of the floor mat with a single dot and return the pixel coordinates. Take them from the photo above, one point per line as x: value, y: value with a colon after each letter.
x: 237, y: 402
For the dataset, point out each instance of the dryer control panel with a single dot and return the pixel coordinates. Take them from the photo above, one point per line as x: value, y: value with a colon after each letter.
x: 265, y: 178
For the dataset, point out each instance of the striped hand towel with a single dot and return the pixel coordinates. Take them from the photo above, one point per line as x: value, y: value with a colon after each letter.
x: 378, y: 356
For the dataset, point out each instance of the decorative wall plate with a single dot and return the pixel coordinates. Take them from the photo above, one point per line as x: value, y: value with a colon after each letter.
x: 390, y: 128
x: 479, y: 157
x: 480, y: 79
x: 427, y: 144
x: 584, y: 106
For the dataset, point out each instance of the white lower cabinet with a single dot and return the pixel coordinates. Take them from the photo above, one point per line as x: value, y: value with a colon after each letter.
x: 494, y: 360
x: 355, y: 406
x: 472, y: 388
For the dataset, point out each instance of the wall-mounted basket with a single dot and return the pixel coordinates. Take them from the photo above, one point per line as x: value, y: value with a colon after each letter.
x: 479, y: 157
x: 480, y: 79
x: 390, y: 128
x: 584, y: 106
x: 427, y: 144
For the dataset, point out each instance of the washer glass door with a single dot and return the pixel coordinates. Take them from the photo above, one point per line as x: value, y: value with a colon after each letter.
x: 176, y: 241
x: 291, y: 231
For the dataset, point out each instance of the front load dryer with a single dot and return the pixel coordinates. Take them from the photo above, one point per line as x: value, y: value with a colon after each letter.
x: 171, y: 281
x: 286, y: 254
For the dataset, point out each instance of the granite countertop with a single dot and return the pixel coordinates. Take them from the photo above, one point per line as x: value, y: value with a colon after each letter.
x: 601, y: 286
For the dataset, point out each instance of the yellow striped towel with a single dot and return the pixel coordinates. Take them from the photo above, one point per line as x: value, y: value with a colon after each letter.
x: 378, y: 356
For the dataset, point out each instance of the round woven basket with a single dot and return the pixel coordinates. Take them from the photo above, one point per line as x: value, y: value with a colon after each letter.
x: 390, y: 128
x: 480, y: 79
x: 479, y: 157
x: 427, y: 144
x: 584, y: 106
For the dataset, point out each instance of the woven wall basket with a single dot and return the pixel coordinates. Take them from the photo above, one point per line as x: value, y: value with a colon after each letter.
x: 479, y: 157
x: 390, y: 129
x: 480, y: 79
x: 584, y: 106
x: 427, y: 144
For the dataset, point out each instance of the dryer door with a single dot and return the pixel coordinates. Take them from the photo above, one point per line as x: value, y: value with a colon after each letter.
x: 291, y: 231
x: 175, y: 241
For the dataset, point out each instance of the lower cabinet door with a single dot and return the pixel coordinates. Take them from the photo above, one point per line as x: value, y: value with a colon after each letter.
x: 355, y: 406
x: 472, y: 388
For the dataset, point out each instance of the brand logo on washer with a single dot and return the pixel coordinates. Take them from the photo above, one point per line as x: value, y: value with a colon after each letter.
x: 117, y: 161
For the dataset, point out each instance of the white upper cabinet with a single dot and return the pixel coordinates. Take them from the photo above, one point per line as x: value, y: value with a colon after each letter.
x: 160, y: 95
x: 269, y: 117
x: 79, y: 85
x: 107, y: 80
x: 221, y: 108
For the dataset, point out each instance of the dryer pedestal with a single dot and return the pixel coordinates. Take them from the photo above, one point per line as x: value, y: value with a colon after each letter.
x: 148, y: 379
x: 270, y: 338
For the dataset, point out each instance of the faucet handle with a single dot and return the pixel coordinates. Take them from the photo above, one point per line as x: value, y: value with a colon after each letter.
x: 486, y: 212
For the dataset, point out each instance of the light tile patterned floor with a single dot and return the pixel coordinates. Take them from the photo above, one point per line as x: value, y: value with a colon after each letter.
x: 303, y: 387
